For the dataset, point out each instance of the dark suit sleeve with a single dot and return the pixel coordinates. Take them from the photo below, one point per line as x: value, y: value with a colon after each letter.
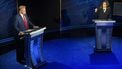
x: 110, y: 13
x: 16, y: 26
x: 97, y: 13
x: 30, y: 23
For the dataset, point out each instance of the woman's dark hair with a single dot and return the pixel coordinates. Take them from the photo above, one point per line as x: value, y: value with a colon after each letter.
x: 101, y: 6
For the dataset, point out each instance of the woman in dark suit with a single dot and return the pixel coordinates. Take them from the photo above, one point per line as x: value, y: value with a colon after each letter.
x: 103, y: 12
x: 103, y: 34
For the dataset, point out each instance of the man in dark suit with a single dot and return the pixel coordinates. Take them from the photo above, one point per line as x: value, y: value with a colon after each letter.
x: 104, y: 12
x: 22, y: 23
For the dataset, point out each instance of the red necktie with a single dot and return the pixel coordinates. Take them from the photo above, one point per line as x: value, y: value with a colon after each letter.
x: 25, y: 22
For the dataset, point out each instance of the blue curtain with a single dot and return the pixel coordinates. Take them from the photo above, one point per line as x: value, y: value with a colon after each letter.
x: 7, y: 14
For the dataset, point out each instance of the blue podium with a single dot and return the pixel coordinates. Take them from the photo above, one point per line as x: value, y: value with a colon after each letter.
x: 33, y: 47
x: 103, y: 34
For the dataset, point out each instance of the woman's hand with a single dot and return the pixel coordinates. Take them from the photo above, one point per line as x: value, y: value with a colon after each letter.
x: 96, y: 9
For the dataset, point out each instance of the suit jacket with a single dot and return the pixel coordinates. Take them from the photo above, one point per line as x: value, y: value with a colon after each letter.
x: 19, y: 23
x: 103, y: 15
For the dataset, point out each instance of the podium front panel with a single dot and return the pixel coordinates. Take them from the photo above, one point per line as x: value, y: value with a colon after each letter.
x: 103, y: 35
x: 33, y: 48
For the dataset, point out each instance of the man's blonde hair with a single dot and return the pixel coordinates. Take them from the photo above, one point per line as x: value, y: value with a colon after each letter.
x: 21, y: 7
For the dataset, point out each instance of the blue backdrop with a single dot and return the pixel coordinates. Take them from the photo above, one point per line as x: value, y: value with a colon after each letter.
x: 78, y: 13
x: 7, y: 12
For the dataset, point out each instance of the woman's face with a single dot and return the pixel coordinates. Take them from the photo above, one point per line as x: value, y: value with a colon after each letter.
x: 104, y: 4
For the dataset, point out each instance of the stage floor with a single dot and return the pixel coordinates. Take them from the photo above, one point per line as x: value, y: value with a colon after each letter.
x: 72, y: 53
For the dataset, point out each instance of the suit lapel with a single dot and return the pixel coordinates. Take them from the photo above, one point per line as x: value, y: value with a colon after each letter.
x: 20, y: 19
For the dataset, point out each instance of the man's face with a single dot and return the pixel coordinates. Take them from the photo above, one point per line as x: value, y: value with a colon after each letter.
x: 23, y: 11
x: 104, y: 4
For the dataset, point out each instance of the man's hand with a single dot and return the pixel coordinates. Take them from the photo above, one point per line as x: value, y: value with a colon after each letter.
x: 35, y: 27
x: 21, y: 33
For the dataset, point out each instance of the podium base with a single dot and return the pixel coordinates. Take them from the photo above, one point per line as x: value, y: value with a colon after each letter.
x: 102, y: 50
x: 40, y: 65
